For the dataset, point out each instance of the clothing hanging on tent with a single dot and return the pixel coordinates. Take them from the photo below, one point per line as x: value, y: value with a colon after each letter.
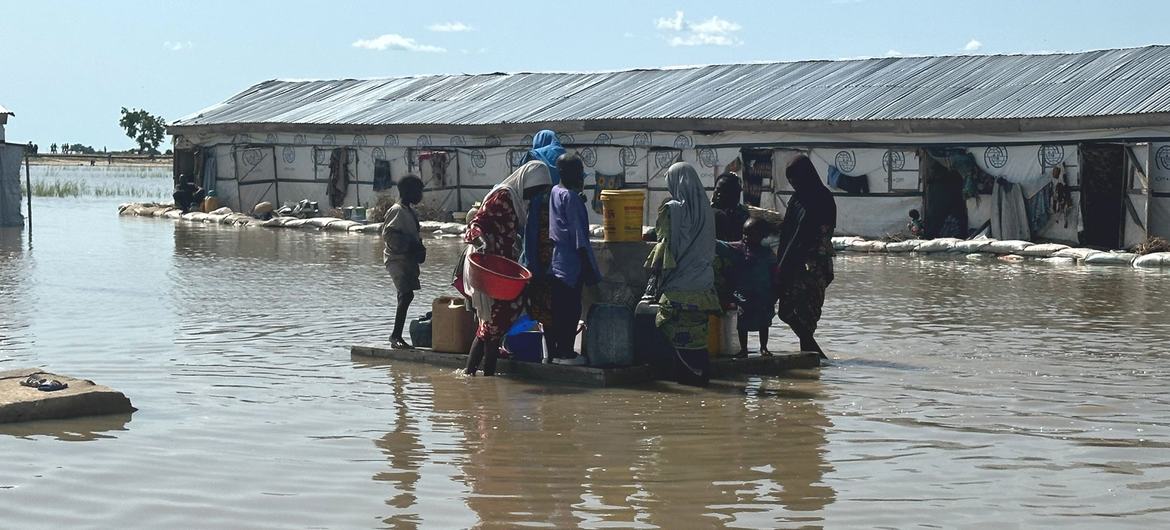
x: 1039, y: 213
x: 850, y: 184
x: 1009, y: 216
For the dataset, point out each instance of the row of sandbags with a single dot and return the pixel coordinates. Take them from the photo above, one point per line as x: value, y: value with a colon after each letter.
x: 1049, y: 252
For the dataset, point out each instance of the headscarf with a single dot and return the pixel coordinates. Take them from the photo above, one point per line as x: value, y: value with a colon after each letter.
x: 530, y: 175
x: 547, y: 148
x: 692, y: 231
x: 811, y: 192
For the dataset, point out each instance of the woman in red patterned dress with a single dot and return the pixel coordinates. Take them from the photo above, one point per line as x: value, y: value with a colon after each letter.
x: 498, y: 228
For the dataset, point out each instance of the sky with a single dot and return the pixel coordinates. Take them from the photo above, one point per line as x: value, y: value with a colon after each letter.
x: 68, y: 67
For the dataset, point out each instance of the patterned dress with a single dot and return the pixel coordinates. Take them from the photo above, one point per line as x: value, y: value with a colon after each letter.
x: 497, y: 225
x: 802, y: 291
x: 682, y: 315
x: 539, y: 291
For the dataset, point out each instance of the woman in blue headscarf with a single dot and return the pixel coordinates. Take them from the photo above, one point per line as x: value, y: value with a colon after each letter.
x: 538, y: 247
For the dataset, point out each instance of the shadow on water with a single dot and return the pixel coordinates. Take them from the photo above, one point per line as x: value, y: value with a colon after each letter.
x: 70, y: 430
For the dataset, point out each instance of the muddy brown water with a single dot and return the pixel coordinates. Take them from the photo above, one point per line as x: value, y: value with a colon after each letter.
x: 962, y: 394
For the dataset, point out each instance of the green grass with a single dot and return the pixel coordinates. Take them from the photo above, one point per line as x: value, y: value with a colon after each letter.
x: 81, y: 181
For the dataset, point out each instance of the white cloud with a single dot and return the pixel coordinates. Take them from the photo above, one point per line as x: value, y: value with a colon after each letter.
x: 714, y: 31
x: 673, y: 24
x: 893, y: 53
x: 391, y: 41
x: 973, y: 46
x: 450, y: 27
x: 177, y: 45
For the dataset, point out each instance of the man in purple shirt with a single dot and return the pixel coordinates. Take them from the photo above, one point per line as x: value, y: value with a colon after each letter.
x: 573, y: 263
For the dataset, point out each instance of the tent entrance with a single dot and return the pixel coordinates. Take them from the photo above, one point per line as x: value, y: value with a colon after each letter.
x: 944, y: 210
x: 255, y: 176
x: 1102, y: 171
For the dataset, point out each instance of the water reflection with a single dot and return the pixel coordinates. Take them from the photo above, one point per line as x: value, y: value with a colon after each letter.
x: 529, y: 454
x: 70, y: 430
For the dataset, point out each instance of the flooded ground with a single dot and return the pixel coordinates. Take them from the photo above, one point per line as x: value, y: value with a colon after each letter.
x: 962, y: 395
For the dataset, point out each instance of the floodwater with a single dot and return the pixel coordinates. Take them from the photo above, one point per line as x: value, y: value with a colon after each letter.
x: 962, y: 394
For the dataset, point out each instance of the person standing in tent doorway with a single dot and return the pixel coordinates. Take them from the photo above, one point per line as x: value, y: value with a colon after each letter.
x: 537, y: 254
x: 805, y: 252
x: 404, y: 251
x: 573, y: 262
x: 681, y: 265
x: 497, y: 229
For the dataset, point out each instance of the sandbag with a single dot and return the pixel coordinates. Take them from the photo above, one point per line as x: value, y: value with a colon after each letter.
x: 372, y: 228
x: 910, y: 245
x: 842, y: 242
x: 1010, y: 246
x: 861, y: 245
x: 296, y: 223
x: 221, y: 211
x: 1111, y: 258
x: 942, y: 244
x: 236, y: 218
x: 173, y: 214
x: 215, y: 218
x: 1157, y: 259
x: 1043, y: 250
x: 276, y: 222
x: 320, y: 222
x: 341, y: 226
x: 453, y: 228
x: 195, y: 217
x: 1058, y: 261
x: 1078, y: 254
x: 972, y: 246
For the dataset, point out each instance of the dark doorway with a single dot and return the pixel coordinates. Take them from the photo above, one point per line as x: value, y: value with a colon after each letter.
x: 184, y: 164
x: 757, y: 174
x: 944, y: 209
x: 1102, y: 194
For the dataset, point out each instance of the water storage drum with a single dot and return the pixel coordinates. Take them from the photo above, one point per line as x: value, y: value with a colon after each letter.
x: 622, y: 210
x: 609, y: 335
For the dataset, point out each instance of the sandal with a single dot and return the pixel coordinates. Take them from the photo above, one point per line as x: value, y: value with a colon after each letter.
x: 52, y: 386
x: 33, y: 381
x: 398, y: 344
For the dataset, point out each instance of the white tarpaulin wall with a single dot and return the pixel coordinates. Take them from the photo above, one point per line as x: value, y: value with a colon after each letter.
x: 1159, y: 207
x: 1136, y: 194
x: 1030, y: 166
x: 884, y: 210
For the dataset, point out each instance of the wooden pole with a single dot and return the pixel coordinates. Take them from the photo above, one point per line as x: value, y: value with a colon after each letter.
x: 28, y: 184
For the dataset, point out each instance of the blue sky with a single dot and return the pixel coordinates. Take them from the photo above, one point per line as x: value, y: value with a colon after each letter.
x: 69, y: 66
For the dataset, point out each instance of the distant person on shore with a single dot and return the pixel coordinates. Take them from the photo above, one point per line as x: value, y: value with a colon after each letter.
x: 188, y: 195
x: 806, y: 252
x: 404, y: 251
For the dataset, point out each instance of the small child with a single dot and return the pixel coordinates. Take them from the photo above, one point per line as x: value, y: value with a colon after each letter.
x: 404, y: 251
x: 915, y: 226
x: 755, y: 267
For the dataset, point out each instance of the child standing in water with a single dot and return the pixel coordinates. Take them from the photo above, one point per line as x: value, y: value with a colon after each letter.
x: 755, y: 267
x: 404, y: 251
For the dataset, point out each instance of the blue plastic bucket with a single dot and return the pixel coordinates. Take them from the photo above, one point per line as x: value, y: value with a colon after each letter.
x: 526, y: 346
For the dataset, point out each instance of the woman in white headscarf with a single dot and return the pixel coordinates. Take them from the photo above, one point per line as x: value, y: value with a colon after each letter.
x: 682, y: 263
x: 498, y: 229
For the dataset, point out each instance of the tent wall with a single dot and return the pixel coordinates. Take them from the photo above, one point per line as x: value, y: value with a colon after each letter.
x: 639, y: 160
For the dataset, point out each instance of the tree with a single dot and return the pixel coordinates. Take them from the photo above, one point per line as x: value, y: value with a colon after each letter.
x: 146, y: 129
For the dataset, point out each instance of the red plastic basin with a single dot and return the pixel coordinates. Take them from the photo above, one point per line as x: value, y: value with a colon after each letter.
x: 497, y: 276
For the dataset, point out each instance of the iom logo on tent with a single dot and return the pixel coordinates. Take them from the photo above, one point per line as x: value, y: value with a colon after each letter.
x: 478, y: 159
x: 423, y: 141
x: 391, y: 140
x: 589, y: 156
x: 271, y: 139
x: 329, y: 139
x: 682, y: 141
x: 1164, y: 157
x: 565, y: 138
x: 846, y: 161
x: 641, y: 140
x: 289, y: 154
x: 299, y: 139
x: 458, y: 141
x: 708, y: 157
x: 628, y: 157
x: 492, y: 141
x: 663, y: 159
x: 894, y: 160
x: 995, y: 156
x: 379, y: 153
x: 1050, y: 155
x: 603, y: 139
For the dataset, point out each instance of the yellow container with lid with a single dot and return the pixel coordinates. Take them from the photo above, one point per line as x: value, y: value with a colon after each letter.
x: 623, y: 211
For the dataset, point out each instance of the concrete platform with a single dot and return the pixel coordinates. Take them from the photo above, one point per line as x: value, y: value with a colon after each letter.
x: 555, y: 373
x: 82, y: 398
x: 585, y: 375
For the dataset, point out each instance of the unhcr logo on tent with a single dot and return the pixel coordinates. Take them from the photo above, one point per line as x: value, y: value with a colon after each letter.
x: 996, y: 156
x: 1164, y: 157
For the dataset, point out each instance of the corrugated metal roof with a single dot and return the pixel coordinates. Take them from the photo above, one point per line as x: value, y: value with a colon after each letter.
x: 1119, y: 82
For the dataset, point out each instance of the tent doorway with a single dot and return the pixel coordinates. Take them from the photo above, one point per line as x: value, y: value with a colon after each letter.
x: 1102, y: 194
x: 944, y: 209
